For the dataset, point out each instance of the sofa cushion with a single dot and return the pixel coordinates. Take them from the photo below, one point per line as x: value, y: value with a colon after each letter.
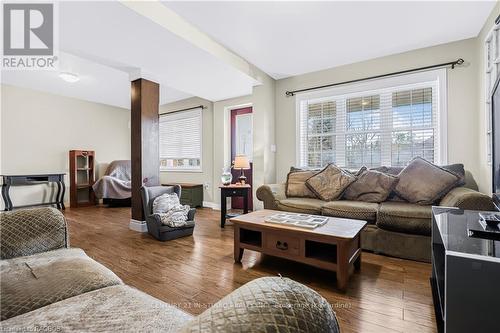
x: 371, y: 186
x: 330, y: 183
x: 358, y: 210
x: 301, y: 205
x: 111, y: 309
x: 268, y: 304
x: 296, y: 183
x: 405, y: 217
x: 424, y: 183
x: 31, y: 282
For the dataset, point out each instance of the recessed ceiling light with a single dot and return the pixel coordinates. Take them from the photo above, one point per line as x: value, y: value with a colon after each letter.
x: 69, y: 77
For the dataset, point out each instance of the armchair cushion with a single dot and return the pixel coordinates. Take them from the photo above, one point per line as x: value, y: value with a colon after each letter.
x: 269, y: 304
x: 28, y: 231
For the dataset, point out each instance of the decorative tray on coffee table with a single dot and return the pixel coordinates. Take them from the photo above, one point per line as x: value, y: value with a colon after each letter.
x: 298, y: 220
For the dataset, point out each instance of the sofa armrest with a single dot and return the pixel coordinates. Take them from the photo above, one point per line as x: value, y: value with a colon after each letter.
x: 265, y: 305
x: 29, y: 231
x: 269, y: 193
x: 465, y: 198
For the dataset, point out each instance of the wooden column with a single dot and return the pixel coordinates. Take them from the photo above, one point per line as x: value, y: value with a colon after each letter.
x: 144, y: 141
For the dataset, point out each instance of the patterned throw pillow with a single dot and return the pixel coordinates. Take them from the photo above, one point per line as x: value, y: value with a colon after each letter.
x: 371, y: 186
x: 296, y: 183
x: 424, y: 183
x: 330, y: 183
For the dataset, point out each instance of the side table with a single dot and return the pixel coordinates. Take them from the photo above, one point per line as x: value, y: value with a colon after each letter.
x: 232, y: 190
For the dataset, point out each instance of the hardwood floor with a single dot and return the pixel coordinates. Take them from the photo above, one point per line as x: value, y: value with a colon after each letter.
x: 387, y: 295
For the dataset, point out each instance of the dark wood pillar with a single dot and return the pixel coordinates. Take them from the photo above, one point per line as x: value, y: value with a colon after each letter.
x: 145, y: 154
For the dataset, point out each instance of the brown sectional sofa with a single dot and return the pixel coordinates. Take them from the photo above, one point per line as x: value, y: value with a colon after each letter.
x: 46, y: 286
x: 395, y: 228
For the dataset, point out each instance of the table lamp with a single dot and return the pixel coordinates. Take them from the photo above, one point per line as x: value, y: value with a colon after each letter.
x: 241, y: 162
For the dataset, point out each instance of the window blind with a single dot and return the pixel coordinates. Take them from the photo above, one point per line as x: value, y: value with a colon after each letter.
x: 180, y: 140
x: 387, y: 126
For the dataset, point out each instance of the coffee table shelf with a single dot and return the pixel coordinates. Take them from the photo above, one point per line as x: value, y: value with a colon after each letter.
x: 335, y: 246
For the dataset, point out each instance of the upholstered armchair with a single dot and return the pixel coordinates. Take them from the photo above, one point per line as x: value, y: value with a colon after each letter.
x: 155, y: 227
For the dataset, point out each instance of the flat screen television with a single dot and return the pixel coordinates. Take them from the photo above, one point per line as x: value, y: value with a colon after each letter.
x: 495, y: 139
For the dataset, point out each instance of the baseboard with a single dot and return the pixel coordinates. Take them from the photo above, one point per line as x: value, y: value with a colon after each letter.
x: 212, y: 205
x: 139, y: 226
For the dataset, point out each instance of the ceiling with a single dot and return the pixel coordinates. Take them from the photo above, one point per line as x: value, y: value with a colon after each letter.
x: 291, y: 38
x: 107, y: 42
x: 98, y: 83
x: 206, y: 49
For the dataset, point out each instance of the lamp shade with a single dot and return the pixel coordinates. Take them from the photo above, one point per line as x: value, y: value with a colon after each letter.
x: 241, y: 162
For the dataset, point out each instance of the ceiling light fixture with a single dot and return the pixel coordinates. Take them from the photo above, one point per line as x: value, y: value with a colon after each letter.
x: 69, y: 77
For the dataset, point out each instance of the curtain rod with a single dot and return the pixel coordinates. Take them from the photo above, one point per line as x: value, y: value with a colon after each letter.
x: 186, y: 109
x: 451, y: 64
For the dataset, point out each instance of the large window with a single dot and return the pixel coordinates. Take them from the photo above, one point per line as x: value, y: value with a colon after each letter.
x: 492, y: 69
x: 387, y: 122
x: 180, y: 141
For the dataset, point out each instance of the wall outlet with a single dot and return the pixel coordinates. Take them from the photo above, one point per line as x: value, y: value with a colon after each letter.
x: 273, y: 148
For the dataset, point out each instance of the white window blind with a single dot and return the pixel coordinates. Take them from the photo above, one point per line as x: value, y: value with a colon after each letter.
x: 492, y: 69
x: 180, y: 140
x: 387, y: 126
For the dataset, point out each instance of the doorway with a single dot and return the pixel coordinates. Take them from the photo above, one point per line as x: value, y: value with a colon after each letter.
x: 242, y: 144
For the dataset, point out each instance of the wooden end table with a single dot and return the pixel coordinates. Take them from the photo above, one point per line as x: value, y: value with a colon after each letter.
x: 232, y: 190
x: 334, y: 246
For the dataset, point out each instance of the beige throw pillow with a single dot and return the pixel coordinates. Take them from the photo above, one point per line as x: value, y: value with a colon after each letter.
x: 330, y: 183
x: 371, y: 186
x: 424, y: 183
x: 296, y: 183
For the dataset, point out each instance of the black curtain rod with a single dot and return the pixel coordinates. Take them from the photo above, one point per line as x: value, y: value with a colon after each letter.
x: 186, y: 109
x: 451, y: 64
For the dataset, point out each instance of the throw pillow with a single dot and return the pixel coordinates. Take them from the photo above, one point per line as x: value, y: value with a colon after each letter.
x: 424, y: 183
x: 371, y: 186
x: 296, y: 183
x: 330, y: 183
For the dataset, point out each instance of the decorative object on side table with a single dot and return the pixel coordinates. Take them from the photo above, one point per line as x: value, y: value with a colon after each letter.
x: 232, y: 190
x: 226, y: 177
x: 241, y: 162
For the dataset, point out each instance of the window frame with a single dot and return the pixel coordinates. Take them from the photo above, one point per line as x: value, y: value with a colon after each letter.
x: 371, y: 87
x: 185, y: 169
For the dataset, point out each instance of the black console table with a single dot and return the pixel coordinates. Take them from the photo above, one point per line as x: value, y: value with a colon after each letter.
x: 20, y: 180
x: 465, y: 273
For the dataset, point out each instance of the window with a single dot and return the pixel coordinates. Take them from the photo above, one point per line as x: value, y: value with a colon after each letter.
x: 384, y: 122
x: 492, y: 69
x: 180, y: 141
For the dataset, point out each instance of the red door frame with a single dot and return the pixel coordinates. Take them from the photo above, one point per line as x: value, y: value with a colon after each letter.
x: 237, y: 203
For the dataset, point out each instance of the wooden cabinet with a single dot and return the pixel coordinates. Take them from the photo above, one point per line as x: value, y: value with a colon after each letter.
x: 81, y: 174
x: 191, y: 194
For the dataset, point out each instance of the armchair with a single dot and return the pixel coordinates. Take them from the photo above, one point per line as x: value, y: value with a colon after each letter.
x: 155, y: 227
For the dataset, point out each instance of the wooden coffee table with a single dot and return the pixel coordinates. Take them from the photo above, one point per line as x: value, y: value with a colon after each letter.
x: 334, y: 246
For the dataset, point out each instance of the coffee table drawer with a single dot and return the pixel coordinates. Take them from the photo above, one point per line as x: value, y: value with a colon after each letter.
x: 282, y: 244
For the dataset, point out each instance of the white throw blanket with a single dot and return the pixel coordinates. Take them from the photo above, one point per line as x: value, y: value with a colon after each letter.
x: 171, y: 212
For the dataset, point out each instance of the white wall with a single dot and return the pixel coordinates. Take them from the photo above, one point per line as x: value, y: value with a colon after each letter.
x: 38, y: 129
x: 463, y: 113
x: 483, y: 176
x: 206, y: 176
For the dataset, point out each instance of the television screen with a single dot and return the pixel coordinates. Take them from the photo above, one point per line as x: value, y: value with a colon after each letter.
x: 495, y: 118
